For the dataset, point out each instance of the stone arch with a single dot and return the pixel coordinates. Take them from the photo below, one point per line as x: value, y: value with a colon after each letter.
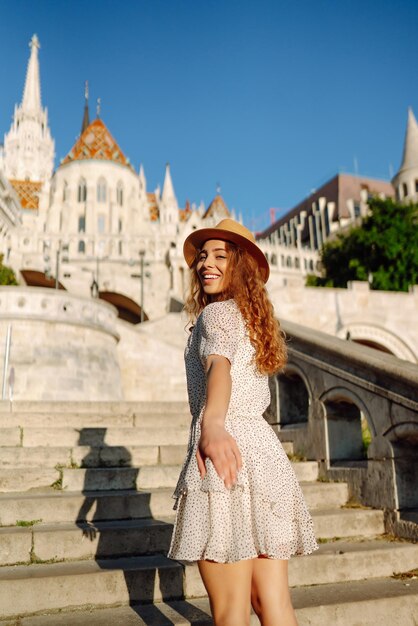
x: 294, y: 397
x: 101, y: 190
x: 348, y: 426
x: 128, y: 309
x: 119, y: 193
x: 82, y: 190
x: 378, y: 338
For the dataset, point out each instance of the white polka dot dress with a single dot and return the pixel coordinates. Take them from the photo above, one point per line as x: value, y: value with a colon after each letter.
x: 265, y: 512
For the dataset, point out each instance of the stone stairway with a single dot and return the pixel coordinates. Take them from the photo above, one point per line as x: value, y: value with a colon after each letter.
x: 86, y: 517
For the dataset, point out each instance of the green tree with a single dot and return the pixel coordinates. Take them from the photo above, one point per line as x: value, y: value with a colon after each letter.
x: 383, y: 250
x: 7, y: 275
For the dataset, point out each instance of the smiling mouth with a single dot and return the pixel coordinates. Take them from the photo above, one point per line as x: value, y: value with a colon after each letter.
x: 210, y: 277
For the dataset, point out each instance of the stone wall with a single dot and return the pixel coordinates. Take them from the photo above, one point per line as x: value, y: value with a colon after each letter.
x: 355, y: 411
x: 384, y: 318
x: 62, y: 347
x: 151, y: 359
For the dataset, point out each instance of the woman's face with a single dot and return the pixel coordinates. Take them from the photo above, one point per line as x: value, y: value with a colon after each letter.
x: 212, y: 263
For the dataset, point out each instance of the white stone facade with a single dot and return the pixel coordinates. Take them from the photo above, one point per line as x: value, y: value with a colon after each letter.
x: 95, y: 226
x: 28, y: 146
x: 406, y: 180
x: 62, y: 347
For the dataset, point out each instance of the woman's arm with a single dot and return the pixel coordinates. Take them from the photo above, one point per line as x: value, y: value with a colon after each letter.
x: 215, y: 442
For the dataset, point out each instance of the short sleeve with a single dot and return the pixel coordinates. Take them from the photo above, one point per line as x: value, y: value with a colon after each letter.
x: 220, y: 330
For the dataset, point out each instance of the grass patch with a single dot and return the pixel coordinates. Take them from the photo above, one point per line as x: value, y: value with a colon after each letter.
x: 295, y: 457
x: 327, y: 539
x: 413, y: 573
x: 365, y: 435
x: 352, y: 503
x: 58, y: 483
x: 323, y: 479
x: 26, y: 523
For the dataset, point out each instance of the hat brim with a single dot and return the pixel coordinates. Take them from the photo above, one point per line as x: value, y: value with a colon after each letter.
x: 197, y: 238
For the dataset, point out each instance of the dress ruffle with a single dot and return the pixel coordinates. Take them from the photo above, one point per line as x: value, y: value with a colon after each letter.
x: 265, y: 504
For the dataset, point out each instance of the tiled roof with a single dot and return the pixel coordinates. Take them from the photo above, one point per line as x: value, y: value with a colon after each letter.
x: 218, y: 207
x: 185, y: 213
x: 96, y: 142
x: 154, y: 212
x: 28, y: 193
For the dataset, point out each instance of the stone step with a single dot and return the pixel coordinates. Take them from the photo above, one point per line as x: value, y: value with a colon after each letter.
x: 147, y: 477
x: 379, y: 602
x: 94, y: 456
x: 95, y: 420
x: 60, y: 506
x: 100, y: 408
x: 19, y: 479
x: 336, y: 523
x: 85, y: 540
x: 110, y: 478
x: 336, y: 562
x: 63, y: 506
x: 86, y: 456
x: 57, y: 586
x: 82, y: 540
x: 104, y: 582
x: 42, y: 437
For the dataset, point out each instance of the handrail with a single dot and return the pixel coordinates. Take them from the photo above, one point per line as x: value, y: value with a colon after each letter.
x: 6, y: 360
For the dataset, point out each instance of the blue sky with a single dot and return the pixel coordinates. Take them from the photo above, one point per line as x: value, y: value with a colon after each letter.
x: 267, y: 98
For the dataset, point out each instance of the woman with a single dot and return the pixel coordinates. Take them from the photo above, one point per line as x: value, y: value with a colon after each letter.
x: 240, y: 510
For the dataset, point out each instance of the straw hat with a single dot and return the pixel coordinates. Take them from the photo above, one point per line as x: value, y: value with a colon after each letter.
x: 226, y: 230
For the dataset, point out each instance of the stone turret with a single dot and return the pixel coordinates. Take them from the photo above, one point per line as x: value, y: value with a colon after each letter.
x: 28, y: 146
x: 406, y: 179
x: 169, y: 210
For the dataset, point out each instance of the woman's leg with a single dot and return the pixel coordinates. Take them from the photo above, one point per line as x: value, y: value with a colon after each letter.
x: 270, y: 596
x: 229, y: 590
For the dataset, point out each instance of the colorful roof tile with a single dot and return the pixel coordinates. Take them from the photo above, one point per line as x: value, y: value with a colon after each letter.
x: 185, y: 213
x: 28, y: 192
x: 154, y: 212
x: 217, y: 208
x: 96, y: 142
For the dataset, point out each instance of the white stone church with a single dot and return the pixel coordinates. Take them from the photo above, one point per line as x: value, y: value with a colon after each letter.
x: 92, y: 229
x: 91, y: 224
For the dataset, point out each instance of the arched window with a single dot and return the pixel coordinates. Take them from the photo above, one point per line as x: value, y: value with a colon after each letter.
x: 405, y: 189
x: 101, y: 224
x: 81, y: 247
x: 416, y: 185
x: 101, y: 190
x: 120, y: 248
x: 65, y: 192
x: 119, y: 194
x: 82, y: 191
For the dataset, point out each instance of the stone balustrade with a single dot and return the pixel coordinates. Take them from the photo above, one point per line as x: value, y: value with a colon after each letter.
x: 63, y: 347
x: 334, y: 397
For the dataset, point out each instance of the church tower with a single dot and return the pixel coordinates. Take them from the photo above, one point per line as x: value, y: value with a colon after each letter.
x: 169, y: 209
x: 406, y: 180
x: 28, y: 146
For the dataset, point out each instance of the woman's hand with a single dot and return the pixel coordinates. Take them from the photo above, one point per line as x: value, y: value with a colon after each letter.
x: 221, y: 448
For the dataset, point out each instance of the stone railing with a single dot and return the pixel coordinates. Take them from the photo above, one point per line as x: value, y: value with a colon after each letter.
x: 56, y: 305
x: 63, y: 347
x: 355, y: 410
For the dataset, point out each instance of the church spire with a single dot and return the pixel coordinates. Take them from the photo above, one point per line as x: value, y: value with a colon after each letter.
x: 28, y: 146
x: 86, y: 116
x: 32, y: 91
x: 168, y: 194
x: 410, y: 150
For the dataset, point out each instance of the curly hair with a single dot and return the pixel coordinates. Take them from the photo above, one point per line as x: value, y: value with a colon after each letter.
x: 245, y: 285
